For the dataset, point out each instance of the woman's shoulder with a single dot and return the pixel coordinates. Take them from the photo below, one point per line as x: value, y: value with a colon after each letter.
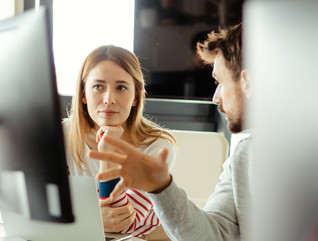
x: 66, y: 124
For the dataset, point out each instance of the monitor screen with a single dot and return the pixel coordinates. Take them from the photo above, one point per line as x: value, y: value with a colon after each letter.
x: 33, y: 170
x: 281, y: 57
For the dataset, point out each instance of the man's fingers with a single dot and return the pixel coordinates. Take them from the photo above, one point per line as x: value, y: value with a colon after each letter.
x: 163, y: 155
x: 108, y: 175
x: 119, y: 144
x: 106, y: 156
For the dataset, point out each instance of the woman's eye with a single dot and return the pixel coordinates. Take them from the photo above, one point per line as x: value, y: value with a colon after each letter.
x: 97, y: 87
x: 121, y: 87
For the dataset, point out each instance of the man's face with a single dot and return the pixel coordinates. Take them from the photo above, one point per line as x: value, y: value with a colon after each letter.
x: 229, y: 94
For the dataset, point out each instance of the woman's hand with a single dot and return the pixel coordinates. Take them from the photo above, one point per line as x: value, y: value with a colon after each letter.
x: 136, y: 169
x: 116, y: 219
x: 115, y: 131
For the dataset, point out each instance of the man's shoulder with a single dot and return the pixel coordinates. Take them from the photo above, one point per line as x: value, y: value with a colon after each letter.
x: 246, y: 140
x: 242, y: 149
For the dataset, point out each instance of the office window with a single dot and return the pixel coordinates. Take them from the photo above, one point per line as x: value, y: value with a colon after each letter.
x: 81, y: 26
x: 6, y: 10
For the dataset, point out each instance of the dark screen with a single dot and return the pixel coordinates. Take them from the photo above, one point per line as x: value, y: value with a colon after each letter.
x: 165, y: 37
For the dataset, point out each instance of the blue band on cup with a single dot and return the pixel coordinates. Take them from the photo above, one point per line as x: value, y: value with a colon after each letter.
x: 105, y: 188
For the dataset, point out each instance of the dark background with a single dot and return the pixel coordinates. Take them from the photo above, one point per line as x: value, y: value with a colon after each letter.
x: 166, y: 33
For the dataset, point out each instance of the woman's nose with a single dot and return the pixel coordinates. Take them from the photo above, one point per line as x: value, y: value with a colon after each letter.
x: 109, y: 97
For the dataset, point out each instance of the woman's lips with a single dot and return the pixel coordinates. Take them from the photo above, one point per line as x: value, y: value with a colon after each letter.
x: 108, y: 112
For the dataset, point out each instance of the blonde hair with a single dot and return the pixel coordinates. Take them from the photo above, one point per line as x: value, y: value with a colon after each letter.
x: 81, y: 123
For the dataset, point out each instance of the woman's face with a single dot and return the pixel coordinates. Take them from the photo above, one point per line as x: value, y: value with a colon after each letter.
x: 109, y: 94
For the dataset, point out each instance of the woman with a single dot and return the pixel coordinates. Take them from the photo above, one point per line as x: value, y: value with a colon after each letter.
x: 109, y: 100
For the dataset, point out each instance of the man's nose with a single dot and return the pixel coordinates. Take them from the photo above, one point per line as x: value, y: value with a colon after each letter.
x: 217, y: 96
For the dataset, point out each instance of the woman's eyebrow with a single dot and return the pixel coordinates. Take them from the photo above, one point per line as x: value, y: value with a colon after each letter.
x: 117, y: 81
x: 122, y: 82
x: 99, y: 81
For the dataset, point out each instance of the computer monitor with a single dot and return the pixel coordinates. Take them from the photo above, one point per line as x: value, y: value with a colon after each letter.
x: 281, y: 57
x: 33, y: 171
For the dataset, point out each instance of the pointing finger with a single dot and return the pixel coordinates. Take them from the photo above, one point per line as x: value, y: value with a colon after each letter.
x: 120, y: 144
x: 163, y: 155
x: 107, y: 156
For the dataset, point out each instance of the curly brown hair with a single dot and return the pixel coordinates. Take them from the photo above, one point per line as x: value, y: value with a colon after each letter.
x: 229, y: 42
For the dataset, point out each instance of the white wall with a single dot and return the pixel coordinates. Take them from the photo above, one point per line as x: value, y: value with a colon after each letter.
x: 81, y: 26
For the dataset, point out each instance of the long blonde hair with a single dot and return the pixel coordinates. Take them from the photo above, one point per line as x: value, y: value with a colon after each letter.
x: 81, y: 123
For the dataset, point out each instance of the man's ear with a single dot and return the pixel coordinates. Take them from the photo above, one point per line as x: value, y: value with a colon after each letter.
x: 245, y: 83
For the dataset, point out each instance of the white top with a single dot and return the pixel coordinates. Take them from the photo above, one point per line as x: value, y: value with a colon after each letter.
x: 146, y: 220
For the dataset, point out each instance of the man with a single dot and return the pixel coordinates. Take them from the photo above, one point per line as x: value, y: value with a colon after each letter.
x: 225, y: 214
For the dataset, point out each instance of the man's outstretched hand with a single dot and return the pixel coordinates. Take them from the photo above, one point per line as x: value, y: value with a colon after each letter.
x: 136, y: 169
